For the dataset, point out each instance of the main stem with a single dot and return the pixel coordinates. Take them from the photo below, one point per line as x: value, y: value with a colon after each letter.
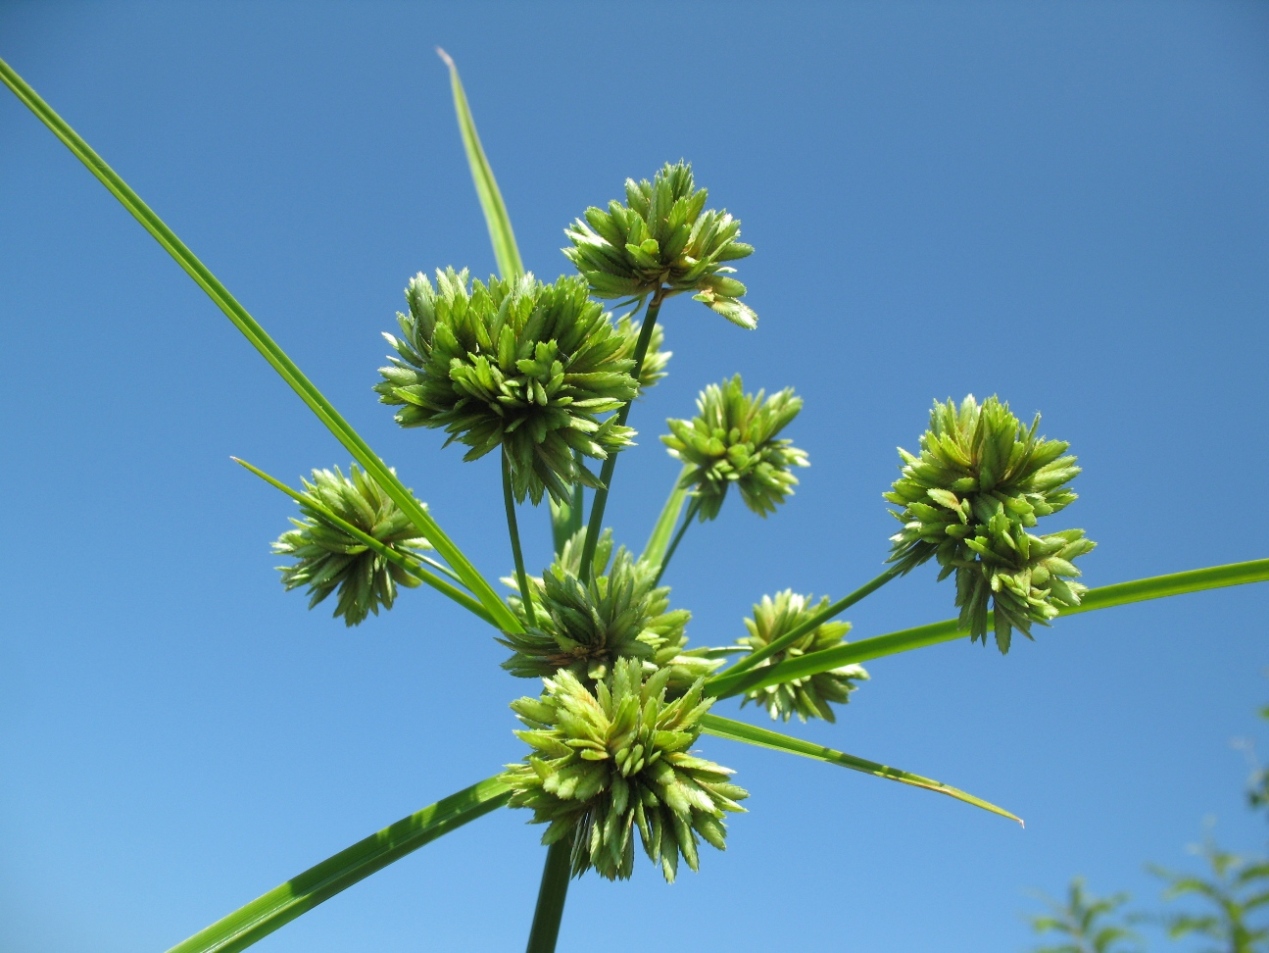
x: 841, y: 605
x: 551, y: 896
x: 610, y: 464
x: 514, y: 530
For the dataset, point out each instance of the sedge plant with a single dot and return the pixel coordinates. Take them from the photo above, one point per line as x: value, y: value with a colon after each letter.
x: 618, y: 706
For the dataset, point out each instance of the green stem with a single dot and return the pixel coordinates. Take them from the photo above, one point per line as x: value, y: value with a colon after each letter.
x: 566, y: 518
x: 732, y: 682
x: 387, y: 552
x: 784, y: 641
x: 514, y: 529
x: 692, y: 509
x: 610, y: 464
x: 551, y: 896
x: 266, y: 346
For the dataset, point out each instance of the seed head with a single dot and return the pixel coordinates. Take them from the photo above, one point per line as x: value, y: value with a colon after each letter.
x: 982, y: 480
x: 662, y: 240
x: 608, y: 762
x: 807, y: 697
x: 733, y: 440
x: 329, y: 558
x: 514, y: 363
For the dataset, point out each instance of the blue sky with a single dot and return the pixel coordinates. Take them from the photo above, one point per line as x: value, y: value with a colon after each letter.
x: 1062, y: 204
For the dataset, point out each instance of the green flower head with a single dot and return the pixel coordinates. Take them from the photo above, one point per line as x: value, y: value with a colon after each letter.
x: 807, y: 697
x: 328, y: 557
x: 981, y: 482
x: 662, y: 241
x: 586, y: 627
x: 518, y: 364
x: 608, y: 762
x: 733, y: 440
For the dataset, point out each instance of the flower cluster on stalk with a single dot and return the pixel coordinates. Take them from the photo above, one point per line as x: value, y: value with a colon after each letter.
x: 608, y: 762
x: 329, y: 558
x: 980, y: 483
x: 734, y: 440
x: 662, y: 241
x: 515, y: 363
x: 809, y: 696
x: 585, y: 627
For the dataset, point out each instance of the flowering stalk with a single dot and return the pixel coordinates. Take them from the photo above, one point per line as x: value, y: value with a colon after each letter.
x: 513, y: 530
x: 605, y: 474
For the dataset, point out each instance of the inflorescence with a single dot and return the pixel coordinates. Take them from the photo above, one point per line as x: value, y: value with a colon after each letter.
x: 982, y: 480
x: 328, y: 557
x: 608, y: 762
x: 733, y: 440
x: 663, y: 242
x: 585, y: 627
x: 518, y: 364
x: 808, y: 696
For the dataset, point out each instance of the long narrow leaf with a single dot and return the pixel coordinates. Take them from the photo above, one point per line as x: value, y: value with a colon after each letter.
x: 504, y: 240
x: 765, y: 738
x: 284, y: 903
x: 387, y: 552
x: 659, y: 541
x: 1104, y: 597
x: 265, y: 345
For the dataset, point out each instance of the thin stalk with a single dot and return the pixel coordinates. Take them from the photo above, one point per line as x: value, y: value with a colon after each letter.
x: 514, y: 529
x: 654, y: 549
x: 551, y: 896
x: 692, y: 509
x: 387, y: 552
x: 731, y: 682
x: 266, y: 346
x: 610, y: 464
x: 782, y: 643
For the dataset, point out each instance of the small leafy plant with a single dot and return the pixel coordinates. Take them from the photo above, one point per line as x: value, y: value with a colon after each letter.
x: 616, y: 697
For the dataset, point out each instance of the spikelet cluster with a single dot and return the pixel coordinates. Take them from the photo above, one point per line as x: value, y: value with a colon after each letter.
x: 585, y: 627
x: 609, y: 762
x: 810, y: 696
x: 532, y: 368
x: 329, y: 558
x: 662, y: 240
x: 734, y: 440
x: 969, y: 500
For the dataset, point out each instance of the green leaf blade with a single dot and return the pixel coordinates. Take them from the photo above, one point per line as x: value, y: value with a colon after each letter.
x: 265, y: 346
x: 659, y: 541
x: 728, y: 683
x: 506, y: 253
x: 766, y: 738
x: 267, y: 913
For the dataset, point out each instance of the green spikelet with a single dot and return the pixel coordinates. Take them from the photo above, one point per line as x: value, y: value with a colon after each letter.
x: 329, y: 558
x: 981, y: 482
x: 608, y: 763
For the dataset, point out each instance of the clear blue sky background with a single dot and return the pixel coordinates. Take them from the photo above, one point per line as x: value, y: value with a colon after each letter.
x: 1063, y: 204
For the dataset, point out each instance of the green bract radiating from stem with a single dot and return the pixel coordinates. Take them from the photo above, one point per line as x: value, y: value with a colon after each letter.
x: 265, y: 345
x: 1104, y: 597
x: 514, y: 530
x: 610, y: 464
x: 766, y: 738
x: 253, y: 922
x: 500, y: 234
